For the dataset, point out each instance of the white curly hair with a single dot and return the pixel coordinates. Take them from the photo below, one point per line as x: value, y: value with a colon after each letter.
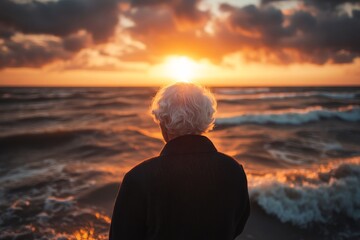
x: 184, y: 108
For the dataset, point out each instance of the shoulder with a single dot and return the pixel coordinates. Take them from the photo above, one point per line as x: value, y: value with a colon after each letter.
x: 228, y: 159
x: 231, y: 162
x: 142, y: 170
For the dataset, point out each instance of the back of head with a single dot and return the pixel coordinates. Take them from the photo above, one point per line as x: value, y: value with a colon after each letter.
x: 184, y: 108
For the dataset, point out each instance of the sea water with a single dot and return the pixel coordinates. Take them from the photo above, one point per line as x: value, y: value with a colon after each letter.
x: 64, y: 152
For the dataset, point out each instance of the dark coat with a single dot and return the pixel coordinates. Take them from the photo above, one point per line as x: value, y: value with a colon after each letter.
x: 191, y: 191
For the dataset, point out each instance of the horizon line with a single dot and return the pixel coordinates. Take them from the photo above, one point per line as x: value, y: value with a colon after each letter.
x: 158, y: 85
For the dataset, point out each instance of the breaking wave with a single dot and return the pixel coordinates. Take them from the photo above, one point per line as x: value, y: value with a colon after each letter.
x: 242, y: 91
x: 294, y: 117
x: 45, y: 139
x: 283, y: 95
x: 305, y: 197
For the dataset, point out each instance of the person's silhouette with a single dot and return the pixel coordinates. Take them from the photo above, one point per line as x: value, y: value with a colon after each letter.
x: 190, y: 191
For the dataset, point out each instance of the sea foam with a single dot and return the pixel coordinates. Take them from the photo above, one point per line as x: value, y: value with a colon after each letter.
x: 264, y: 95
x: 305, y: 197
x: 242, y: 91
x: 294, y: 117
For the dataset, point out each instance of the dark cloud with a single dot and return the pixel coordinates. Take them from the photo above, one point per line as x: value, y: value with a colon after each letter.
x: 6, y: 32
x: 76, y: 42
x: 62, y: 18
x: 319, y: 4
x: 32, y: 50
x: 264, y: 23
x: 298, y: 36
x: 185, y: 12
x: 30, y: 53
x: 303, y: 21
x: 328, y: 5
x: 76, y: 23
x: 335, y: 37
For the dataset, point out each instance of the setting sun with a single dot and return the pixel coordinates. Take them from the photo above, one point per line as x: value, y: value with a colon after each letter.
x: 180, y: 68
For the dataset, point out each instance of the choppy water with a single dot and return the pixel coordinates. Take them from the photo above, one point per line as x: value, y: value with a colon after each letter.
x: 63, y: 152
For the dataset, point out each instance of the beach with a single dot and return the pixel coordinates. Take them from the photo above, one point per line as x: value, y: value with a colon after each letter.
x: 64, y: 152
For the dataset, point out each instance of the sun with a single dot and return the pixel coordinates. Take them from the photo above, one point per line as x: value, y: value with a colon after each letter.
x: 180, y: 68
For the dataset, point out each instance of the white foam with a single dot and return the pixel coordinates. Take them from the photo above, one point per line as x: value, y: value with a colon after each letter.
x: 32, y: 171
x: 236, y: 91
x: 288, y: 157
x: 233, y: 96
x: 347, y: 95
x: 294, y: 117
x: 308, y: 196
x: 54, y: 204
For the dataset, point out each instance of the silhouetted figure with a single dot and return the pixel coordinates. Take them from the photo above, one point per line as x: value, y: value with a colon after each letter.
x: 190, y: 191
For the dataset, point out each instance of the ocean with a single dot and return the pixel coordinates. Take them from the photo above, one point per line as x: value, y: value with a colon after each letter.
x: 64, y: 152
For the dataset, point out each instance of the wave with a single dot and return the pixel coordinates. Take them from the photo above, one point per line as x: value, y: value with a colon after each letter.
x: 294, y: 117
x: 328, y: 195
x: 39, y: 97
x: 62, y: 117
x: 44, y: 139
x: 14, y: 96
x: 31, y: 119
x: 94, y: 150
x: 242, y: 91
x: 45, y: 193
x: 48, y: 214
x: 280, y: 96
x: 106, y: 104
x: 83, y: 143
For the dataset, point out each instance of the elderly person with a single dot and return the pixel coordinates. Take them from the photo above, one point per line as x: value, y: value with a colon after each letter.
x: 190, y: 191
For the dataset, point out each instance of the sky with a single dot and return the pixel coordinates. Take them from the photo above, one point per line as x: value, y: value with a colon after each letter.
x: 155, y: 42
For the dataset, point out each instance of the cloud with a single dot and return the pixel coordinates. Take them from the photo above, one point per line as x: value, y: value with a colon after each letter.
x: 31, y: 51
x: 76, y: 42
x: 265, y: 24
x: 90, y: 59
x: 261, y: 33
x: 319, y: 4
x: 185, y: 12
x: 331, y: 37
x: 158, y: 30
x: 6, y: 32
x: 34, y: 33
x: 328, y: 5
x: 298, y: 36
x: 316, y: 32
x: 62, y: 18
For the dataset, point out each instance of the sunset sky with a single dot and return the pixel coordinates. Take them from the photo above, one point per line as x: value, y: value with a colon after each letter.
x: 153, y: 42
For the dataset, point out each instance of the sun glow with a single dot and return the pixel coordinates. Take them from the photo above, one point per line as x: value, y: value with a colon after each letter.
x: 180, y: 68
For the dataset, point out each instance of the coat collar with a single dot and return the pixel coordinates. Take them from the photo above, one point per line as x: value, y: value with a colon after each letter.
x: 188, y: 144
